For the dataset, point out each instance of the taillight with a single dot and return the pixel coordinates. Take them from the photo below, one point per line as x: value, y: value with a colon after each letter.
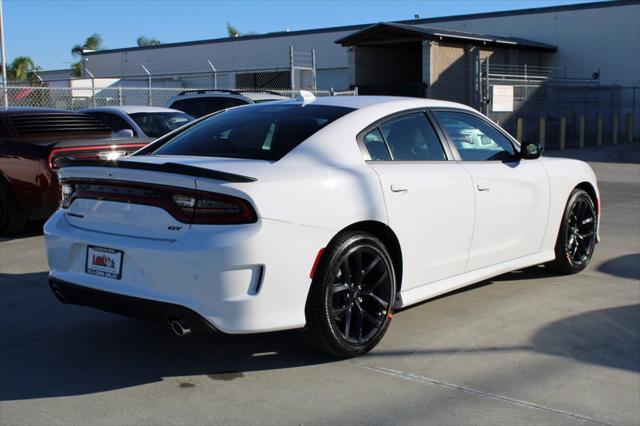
x: 185, y: 205
x: 209, y: 208
x: 96, y: 152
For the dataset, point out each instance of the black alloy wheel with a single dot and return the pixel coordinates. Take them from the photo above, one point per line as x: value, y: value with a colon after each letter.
x: 577, y: 237
x: 351, y: 300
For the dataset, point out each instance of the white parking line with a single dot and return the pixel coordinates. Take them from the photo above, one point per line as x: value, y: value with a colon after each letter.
x: 423, y: 379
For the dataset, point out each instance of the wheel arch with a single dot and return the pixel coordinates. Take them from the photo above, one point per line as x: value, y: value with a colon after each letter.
x: 590, y: 189
x: 385, y: 234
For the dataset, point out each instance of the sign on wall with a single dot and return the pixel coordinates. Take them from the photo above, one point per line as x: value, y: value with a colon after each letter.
x: 502, y: 99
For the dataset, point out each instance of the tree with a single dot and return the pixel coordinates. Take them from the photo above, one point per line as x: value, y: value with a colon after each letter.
x: 93, y: 42
x: 22, y: 68
x: 232, y: 31
x: 147, y: 41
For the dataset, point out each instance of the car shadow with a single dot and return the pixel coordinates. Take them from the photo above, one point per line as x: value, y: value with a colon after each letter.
x: 627, y: 266
x: 50, y: 350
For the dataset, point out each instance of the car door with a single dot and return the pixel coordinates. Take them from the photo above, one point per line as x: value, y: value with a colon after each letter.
x: 512, y: 195
x: 429, y: 197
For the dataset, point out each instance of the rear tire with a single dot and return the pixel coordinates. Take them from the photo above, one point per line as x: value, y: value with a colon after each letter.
x: 577, y: 236
x: 352, y: 295
x: 11, y: 218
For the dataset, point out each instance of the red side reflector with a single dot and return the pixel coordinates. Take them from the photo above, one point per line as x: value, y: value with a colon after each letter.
x: 315, y: 263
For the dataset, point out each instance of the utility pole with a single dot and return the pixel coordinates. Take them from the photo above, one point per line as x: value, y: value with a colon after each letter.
x: 4, y: 60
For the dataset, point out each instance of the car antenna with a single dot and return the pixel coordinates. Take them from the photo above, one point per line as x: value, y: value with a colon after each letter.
x: 306, y: 97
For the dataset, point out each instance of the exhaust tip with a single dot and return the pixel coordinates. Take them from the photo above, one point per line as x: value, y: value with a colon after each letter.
x: 179, y: 328
x: 59, y: 296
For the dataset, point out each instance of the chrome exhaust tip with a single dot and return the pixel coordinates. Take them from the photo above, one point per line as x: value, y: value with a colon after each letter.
x: 179, y: 328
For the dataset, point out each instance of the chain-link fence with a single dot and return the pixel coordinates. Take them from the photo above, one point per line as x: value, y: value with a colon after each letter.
x: 90, y: 96
x: 559, y: 111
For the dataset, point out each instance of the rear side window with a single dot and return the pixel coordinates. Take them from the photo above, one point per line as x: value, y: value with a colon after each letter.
x: 263, y: 132
x: 409, y: 137
x: 199, y: 107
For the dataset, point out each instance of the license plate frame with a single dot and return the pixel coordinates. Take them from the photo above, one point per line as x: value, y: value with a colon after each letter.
x: 111, y: 259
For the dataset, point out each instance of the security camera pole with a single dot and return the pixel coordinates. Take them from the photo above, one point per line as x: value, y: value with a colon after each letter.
x: 4, y: 60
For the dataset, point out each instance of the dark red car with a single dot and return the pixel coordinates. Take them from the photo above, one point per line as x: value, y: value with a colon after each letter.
x: 32, y: 141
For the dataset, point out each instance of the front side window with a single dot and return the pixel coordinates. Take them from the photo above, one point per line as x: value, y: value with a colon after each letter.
x: 474, y: 138
x: 156, y: 124
x: 411, y: 137
x: 261, y: 132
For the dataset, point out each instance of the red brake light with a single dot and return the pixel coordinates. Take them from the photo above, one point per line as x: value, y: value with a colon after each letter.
x: 95, y: 152
x: 210, y: 208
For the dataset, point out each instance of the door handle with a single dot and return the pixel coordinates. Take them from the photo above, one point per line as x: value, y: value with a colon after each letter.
x: 399, y: 187
x: 483, y: 187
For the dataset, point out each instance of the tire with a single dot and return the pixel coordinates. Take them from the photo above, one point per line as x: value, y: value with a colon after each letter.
x: 577, y: 236
x: 348, y: 312
x: 11, y: 218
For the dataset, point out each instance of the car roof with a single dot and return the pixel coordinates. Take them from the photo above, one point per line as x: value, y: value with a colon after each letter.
x: 360, y: 102
x: 130, y: 109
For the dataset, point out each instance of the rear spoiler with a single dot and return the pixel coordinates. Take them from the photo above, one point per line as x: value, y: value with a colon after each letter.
x: 175, y: 168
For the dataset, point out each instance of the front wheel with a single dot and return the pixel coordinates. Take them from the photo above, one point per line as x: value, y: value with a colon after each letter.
x: 352, y: 295
x: 577, y: 237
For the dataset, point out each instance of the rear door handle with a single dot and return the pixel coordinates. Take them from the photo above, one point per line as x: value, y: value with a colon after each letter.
x: 482, y: 186
x: 399, y: 187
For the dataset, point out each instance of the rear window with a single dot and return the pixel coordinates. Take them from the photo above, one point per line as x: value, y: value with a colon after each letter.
x: 262, y: 132
x: 201, y: 106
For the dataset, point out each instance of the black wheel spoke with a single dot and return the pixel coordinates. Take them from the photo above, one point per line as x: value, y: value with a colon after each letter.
x: 339, y: 287
x: 347, y: 322
x: 377, y: 299
x: 370, y: 267
x: 379, y: 281
x: 371, y: 319
x: 356, y: 259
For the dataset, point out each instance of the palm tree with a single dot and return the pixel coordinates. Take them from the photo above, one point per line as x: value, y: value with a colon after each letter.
x: 93, y: 42
x: 147, y: 41
x: 22, y: 68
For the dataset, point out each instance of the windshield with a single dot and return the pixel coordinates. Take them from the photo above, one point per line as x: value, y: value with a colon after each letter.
x: 156, y: 124
x: 262, y: 132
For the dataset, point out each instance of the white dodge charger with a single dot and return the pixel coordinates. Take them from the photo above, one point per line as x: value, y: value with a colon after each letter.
x: 325, y: 215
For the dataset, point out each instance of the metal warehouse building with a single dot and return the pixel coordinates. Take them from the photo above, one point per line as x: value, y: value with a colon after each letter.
x: 602, y: 37
x: 578, y: 65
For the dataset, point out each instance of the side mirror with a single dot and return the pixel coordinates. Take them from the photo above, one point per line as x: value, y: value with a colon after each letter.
x: 530, y: 151
x: 123, y: 133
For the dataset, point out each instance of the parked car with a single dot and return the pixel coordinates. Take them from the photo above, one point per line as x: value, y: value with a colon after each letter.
x: 140, y: 121
x: 32, y: 142
x: 199, y: 103
x: 326, y: 215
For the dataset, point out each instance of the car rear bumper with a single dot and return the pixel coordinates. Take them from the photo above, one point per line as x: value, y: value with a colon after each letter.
x: 241, y: 279
x: 134, y: 307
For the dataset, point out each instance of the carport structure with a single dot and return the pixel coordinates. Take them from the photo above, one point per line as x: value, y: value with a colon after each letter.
x: 410, y: 60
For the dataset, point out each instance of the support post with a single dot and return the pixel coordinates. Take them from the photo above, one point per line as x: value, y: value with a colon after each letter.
x: 148, y: 83
x: 520, y: 129
x: 543, y: 131
x: 314, y: 82
x: 4, y: 61
x: 614, y: 130
x: 214, y: 75
x: 292, y: 72
x: 630, y: 127
x: 563, y: 132
x: 93, y: 84
x: 120, y: 95
x: 581, y: 132
x: 599, y: 131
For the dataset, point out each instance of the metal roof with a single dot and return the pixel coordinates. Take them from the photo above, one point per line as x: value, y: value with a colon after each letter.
x: 387, y: 31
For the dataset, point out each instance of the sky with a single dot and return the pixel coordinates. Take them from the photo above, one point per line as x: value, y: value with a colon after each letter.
x: 46, y: 30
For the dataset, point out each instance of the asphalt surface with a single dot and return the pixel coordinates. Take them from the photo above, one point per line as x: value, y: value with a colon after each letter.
x: 527, y: 347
